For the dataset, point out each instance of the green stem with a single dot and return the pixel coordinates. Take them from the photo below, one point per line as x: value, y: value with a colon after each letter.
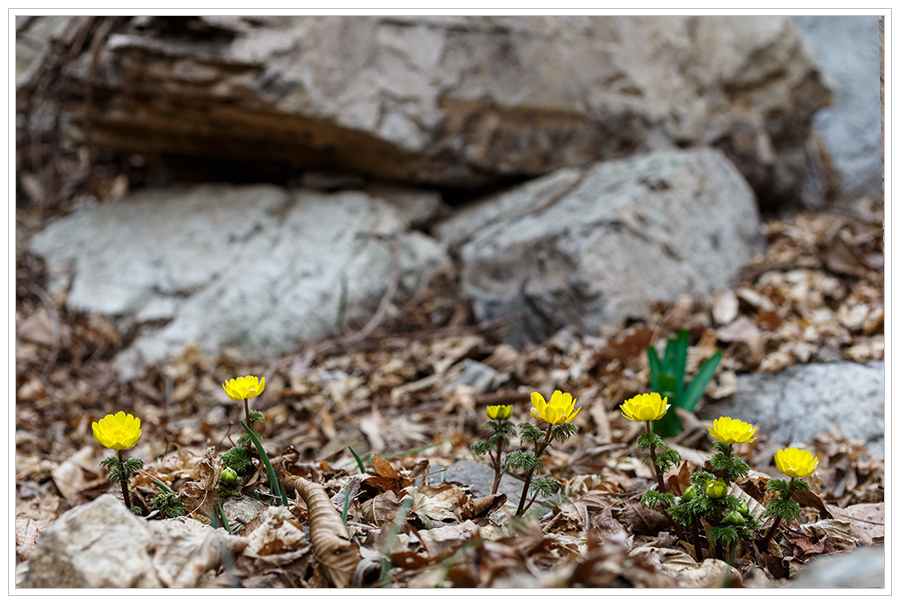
x: 656, y: 472
x: 123, y: 478
x: 538, y: 449
x: 498, y: 468
x: 695, y: 539
x: 249, y: 423
x: 786, y: 495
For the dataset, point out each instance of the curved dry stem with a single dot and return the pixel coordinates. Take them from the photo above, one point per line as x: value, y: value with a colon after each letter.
x: 330, y: 540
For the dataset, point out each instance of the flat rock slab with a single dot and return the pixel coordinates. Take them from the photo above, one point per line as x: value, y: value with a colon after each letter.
x: 580, y: 248
x: 796, y: 404
x: 257, y: 268
x: 480, y: 478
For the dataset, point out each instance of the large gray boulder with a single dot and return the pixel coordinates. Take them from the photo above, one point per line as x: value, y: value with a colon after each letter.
x: 580, y: 248
x: 847, y: 48
x: 454, y: 100
x: 794, y: 405
x: 257, y: 268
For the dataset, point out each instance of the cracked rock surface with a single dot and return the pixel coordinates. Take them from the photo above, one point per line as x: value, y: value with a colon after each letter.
x: 582, y: 248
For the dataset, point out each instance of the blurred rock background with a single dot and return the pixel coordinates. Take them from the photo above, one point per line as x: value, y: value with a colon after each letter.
x: 257, y: 183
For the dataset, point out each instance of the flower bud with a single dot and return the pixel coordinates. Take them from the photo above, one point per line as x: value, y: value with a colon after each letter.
x: 228, y: 475
x: 743, y: 508
x: 733, y: 518
x: 716, y: 489
x: 499, y: 412
x: 689, y: 493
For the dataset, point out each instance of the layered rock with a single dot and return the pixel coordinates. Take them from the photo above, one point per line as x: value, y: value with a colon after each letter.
x: 580, y: 248
x: 454, y: 100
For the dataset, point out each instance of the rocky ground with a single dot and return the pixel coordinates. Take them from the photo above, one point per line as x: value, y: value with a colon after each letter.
x: 413, y: 388
x: 549, y: 216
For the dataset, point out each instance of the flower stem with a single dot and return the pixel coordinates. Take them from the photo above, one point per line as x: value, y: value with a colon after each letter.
x: 498, y: 468
x: 786, y: 495
x: 123, y: 478
x: 538, y: 449
x: 656, y: 472
x: 249, y: 424
x: 771, y: 533
x: 695, y: 539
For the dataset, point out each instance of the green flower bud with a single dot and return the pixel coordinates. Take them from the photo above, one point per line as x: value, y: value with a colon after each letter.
x: 743, y: 508
x: 716, y: 489
x: 689, y: 493
x: 733, y: 518
x: 228, y: 475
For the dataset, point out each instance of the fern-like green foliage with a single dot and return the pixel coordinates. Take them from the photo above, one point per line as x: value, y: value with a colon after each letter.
x: 523, y: 461
x: 786, y: 509
x: 544, y: 486
x: 656, y: 500
x: 667, y: 458
x: 480, y: 447
x: 529, y: 433
x: 563, y: 432
x: 245, y: 441
x: 257, y: 417
x: 168, y: 504
x: 237, y: 459
x: 699, y: 479
x: 119, y: 469
x: 668, y: 379
x: 734, y: 467
x: 649, y: 440
x: 724, y: 533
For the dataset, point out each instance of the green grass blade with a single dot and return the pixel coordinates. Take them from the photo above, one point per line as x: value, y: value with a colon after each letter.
x: 681, y: 349
x: 163, y: 487
x: 701, y: 380
x: 655, y: 368
x: 668, y: 360
x: 221, y: 513
x: 396, y: 527
x: 359, y: 462
x: 273, y: 482
x: 346, y: 504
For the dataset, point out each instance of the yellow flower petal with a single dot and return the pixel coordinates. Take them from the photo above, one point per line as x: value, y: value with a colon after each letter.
x: 796, y: 463
x: 645, y: 407
x: 119, y: 431
x: 559, y: 410
x: 731, y: 431
x: 242, y: 388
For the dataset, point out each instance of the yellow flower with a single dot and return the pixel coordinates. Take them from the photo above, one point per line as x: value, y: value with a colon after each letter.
x: 730, y: 431
x: 500, y: 412
x: 243, y: 388
x: 557, y: 411
x: 117, y: 431
x: 645, y: 407
x: 796, y: 463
